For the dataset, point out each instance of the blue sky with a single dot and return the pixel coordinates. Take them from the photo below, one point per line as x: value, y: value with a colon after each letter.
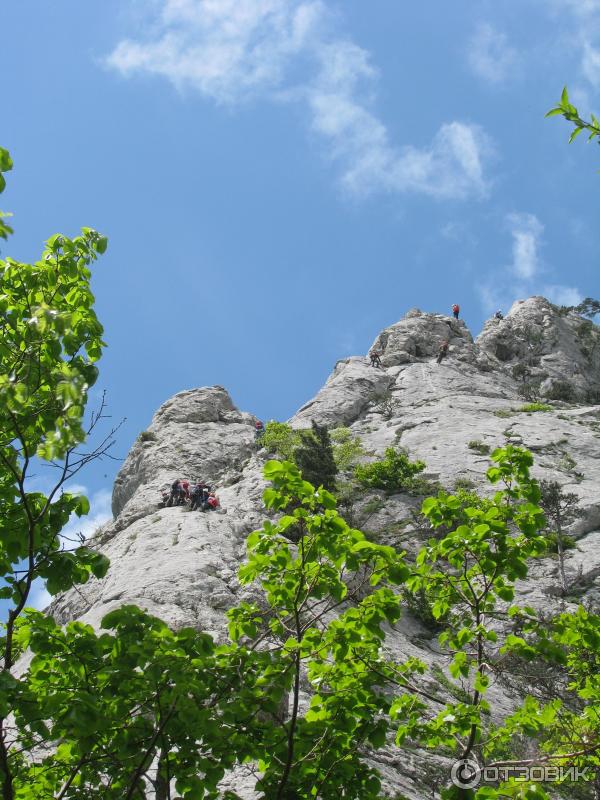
x: 280, y: 179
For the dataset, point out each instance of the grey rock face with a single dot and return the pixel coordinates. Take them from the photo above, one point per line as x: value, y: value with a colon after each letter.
x: 346, y: 394
x: 196, y: 434
x: 182, y: 565
x: 555, y: 347
x: 418, y: 336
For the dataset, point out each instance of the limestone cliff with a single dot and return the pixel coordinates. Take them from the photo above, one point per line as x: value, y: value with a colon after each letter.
x: 182, y: 566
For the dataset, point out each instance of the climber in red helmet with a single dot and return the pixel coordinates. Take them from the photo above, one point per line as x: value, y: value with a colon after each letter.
x: 456, y: 310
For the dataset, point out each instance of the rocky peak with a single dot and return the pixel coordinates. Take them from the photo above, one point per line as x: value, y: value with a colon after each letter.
x: 198, y: 433
x: 418, y: 335
x: 554, y: 346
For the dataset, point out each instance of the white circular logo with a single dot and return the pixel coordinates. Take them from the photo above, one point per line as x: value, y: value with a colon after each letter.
x: 465, y: 774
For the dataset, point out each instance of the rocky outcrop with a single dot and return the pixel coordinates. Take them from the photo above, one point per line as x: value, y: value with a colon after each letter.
x: 182, y: 566
x: 418, y: 336
x: 554, y: 346
x: 348, y: 392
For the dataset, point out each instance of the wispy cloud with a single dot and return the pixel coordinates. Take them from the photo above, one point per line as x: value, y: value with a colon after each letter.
x: 226, y: 49
x: 232, y: 51
x: 562, y: 295
x: 100, y: 512
x: 526, y: 231
x: 490, y: 55
x: 522, y: 277
x: 585, y: 41
x: 590, y: 64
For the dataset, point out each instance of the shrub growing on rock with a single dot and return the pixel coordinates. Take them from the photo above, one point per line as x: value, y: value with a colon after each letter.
x: 347, y: 448
x: 561, y: 390
x: 314, y: 457
x: 395, y: 473
x: 385, y: 403
x: 280, y: 439
x: 479, y: 447
x: 533, y: 407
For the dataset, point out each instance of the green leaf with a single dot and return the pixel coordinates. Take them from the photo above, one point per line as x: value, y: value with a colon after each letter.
x: 6, y: 162
x: 575, y: 134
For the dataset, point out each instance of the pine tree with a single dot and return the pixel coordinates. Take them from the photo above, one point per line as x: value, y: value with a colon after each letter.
x: 314, y: 457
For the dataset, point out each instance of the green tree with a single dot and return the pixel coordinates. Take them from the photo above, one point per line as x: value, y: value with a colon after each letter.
x: 50, y: 342
x: 560, y: 508
x: 6, y: 165
x: 280, y: 438
x: 394, y: 473
x: 314, y: 456
x: 347, y: 449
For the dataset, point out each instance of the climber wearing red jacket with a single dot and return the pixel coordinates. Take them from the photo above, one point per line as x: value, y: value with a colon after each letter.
x: 456, y: 310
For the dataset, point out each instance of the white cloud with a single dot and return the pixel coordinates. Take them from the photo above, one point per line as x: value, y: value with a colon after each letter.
x: 490, y: 55
x: 235, y: 50
x: 451, y: 166
x: 100, y: 512
x: 226, y: 49
x: 502, y: 291
x: 492, y: 298
x: 582, y: 8
x: 526, y: 231
x: 584, y: 35
x: 562, y: 295
x: 590, y: 64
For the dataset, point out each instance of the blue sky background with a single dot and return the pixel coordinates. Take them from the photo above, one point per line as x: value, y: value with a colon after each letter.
x: 281, y: 179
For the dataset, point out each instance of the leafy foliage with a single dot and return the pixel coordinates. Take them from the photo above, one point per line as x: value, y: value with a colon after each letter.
x: 6, y: 164
x: 479, y: 447
x: 561, y: 508
x: 530, y: 408
x: 314, y: 456
x: 561, y: 390
x: 318, y: 751
x: 395, y: 473
x: 281, y: 439
x: 347, y: 449
x: 385, y: 403
x: 567, y: 110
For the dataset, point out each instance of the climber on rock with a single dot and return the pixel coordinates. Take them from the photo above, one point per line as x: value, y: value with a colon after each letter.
x: 209, y: 501
x: 498, y: 315
x: 199, y: 495
x: 259, y: 429
x: 177, y: 496
x: 375, y: 356
x: 442, y: 352
x: 456, y: 310
x: 212, y: 502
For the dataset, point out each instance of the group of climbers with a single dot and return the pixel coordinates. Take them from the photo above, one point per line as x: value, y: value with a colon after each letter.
x: 375, y: 354
x: 199, y: 497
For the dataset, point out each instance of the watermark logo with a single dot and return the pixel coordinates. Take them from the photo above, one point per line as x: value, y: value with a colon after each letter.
x: 465, y: 774
x: 468, y: 774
